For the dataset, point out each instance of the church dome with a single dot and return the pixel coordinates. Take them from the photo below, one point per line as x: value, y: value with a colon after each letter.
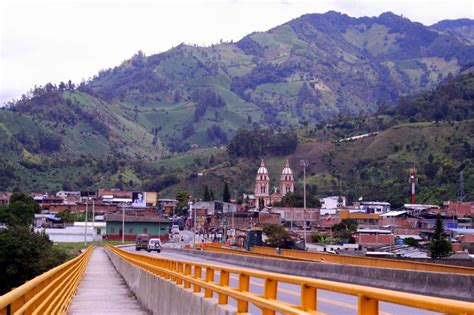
x: 287, y: 170
x: 262, y: 169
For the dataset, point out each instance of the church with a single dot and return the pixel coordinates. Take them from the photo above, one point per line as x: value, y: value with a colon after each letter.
x: 262, y: 186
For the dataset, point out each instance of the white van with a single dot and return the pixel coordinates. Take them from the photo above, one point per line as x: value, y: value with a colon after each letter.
x: 154, y: 244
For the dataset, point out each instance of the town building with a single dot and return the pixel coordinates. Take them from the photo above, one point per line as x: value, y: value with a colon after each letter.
x: 375, y: 206
x: 156, y: 227
x: 333, y: 202
x: 295, y: 215
x: 4, y: 198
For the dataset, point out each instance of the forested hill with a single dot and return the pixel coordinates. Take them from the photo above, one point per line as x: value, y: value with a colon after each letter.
x: 305, y: 71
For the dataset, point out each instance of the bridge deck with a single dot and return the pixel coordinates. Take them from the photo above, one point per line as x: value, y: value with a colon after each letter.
x: 103, y: 291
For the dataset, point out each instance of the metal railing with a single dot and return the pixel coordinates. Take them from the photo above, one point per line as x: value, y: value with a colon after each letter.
x: 48, y: 293
x: 363, y: 261
x: 214, y: 279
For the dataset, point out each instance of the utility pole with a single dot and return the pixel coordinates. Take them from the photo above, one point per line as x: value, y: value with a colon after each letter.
x: 85, y: 223
x: 194, y: 224
x: 304, y: 163
x: 93, y: 219
x: 123, y: 223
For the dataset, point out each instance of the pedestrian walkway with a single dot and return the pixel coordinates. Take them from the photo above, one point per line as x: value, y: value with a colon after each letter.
x: 103, y: 290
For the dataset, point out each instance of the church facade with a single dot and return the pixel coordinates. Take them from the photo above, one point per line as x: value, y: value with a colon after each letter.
x: 263, y: 191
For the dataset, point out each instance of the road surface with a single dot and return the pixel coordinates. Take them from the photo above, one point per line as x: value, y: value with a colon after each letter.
x: 328, y: 302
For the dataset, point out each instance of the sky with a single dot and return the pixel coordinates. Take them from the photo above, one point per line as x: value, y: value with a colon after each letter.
x: 58, y: 40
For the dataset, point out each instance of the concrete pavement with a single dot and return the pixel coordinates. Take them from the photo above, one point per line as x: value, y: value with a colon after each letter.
x: 103, y: 291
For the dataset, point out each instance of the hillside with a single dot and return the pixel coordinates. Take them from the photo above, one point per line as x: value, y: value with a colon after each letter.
x: 463, y: 28
x: 155, y: 122
x: 302, y: 72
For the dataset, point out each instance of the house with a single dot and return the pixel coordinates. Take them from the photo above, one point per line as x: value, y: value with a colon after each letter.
x: 374, y: 237
x: 167, y: 206
x: 333, y: 202
x: 458, y: 209
x: 363, y: 219
x: 375, y: 206
x: 4, y: 198
x: 156, y: 227
x: 295, y: 215
x: 214, y: 207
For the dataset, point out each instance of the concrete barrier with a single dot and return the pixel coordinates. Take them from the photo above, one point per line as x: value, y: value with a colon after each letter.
x: 161, y: 296
x: 451, y: 286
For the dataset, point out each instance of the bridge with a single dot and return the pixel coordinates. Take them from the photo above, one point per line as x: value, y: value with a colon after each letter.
x: 216, y: 280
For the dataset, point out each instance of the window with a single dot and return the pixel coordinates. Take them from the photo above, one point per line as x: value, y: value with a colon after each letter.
x: 130, y: 230
x: 145, y: 230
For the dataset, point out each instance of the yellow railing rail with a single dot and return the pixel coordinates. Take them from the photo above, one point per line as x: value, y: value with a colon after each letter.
x: 214, y: 279
x: 48, y: 293
x: 362, y: 261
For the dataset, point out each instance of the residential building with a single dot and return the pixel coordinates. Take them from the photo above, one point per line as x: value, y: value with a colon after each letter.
x: 375, y: 206
x: 374, y: 237
x: 333, y: 202
x: 295, y: 215
x: 156, y: 227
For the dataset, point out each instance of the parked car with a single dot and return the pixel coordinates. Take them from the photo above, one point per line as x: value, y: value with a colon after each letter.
x: 154, y: 244
x: 142, y: 241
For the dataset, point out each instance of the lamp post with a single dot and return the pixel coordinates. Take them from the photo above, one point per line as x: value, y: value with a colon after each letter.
x: 194, y: 224
x: 85, y: 223
x: 93, y: 218
x: 304, y: 163
x: 123, y: 223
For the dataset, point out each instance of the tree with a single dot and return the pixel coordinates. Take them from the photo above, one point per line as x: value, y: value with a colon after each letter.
x: 24, y: 255
x: 277, y: 236
x: 211, y: 195
x: 207, y: 196
x: 21, y: 210
x: 439, y: 246
x: 226, y: 193
x: 261, y: 203
x: 183, y: 199
x: 345, y: 229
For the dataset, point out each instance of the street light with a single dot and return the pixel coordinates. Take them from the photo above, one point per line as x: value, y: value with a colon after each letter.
x: 190, y: 204
x: 85, y: 223
x: 304, y: 163
x: 123, y: 223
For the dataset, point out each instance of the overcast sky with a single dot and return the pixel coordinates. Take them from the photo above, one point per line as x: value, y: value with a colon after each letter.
x: 58, y: 40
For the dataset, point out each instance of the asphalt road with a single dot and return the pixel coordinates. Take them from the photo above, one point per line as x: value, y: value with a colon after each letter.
x: 328, y: 302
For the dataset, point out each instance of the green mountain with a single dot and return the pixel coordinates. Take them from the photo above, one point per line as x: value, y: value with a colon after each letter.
x: 463, y: 28
x: 305, y: 71
x: 327, y: 76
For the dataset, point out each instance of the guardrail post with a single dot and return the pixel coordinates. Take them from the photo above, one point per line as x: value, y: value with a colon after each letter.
x: 309, y: 299
x: 368, y: 306
x: 224, y: 282
x: 209, y: 278
x: 187, y: 272
x: 197, y: 275
x: 179, y: 281
x: 271, y: 289
x: 244, y: 285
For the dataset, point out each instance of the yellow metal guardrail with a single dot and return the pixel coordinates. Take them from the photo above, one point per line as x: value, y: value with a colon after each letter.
x: 48, y: 293
x: 189, y: 273
x: 363, y: 261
